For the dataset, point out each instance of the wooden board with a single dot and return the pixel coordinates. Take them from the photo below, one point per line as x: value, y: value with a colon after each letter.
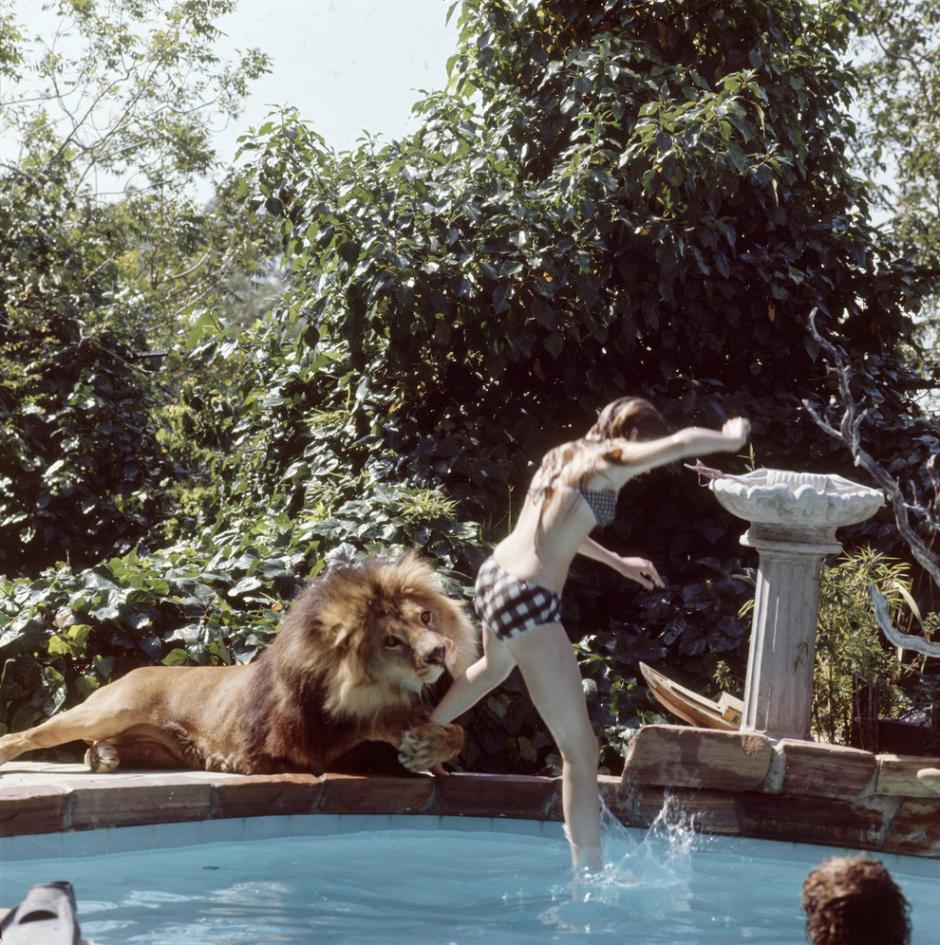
x: 732, y: 708
x: 690, y: 706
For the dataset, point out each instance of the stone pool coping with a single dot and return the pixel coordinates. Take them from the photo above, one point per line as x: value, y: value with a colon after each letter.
x: 39, y: 797
x: 727, y: 782
x: 750, y: 785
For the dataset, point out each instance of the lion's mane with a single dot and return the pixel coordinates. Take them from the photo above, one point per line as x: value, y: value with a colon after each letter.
x: 324, y: 677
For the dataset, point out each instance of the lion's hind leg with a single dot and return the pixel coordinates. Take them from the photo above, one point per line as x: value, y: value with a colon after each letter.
x: 78, y: 724
x: 141, y: 746
x: 105, y: 714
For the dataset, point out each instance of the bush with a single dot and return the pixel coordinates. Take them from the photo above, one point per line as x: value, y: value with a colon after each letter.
x: 851, y: 648
x: 609, y: 198
x: 277, y: 499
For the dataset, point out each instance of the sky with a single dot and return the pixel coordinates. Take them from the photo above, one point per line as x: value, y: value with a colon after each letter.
x: 347, y: 65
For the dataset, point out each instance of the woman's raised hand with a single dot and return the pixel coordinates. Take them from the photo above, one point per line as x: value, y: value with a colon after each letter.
x: 736, y: 432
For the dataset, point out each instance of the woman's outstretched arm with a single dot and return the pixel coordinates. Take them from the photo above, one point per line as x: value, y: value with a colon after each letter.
x: 477, y: 680
x: 629, y: 458
x: 636, y: 569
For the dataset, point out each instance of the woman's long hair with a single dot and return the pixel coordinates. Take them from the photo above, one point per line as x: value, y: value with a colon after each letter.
x: 628, y: 418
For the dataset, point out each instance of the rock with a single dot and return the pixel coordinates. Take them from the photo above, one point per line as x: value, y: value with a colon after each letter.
x: 677, y: 756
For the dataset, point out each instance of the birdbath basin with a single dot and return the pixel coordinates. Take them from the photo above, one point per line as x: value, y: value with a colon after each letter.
x: 793, y: 519
x: 796, y: 506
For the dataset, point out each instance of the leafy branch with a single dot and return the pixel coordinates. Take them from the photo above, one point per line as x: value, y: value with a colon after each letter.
x: 849, y: 432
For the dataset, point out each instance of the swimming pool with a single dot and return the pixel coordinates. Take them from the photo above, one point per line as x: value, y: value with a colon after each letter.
x: 423, y: 880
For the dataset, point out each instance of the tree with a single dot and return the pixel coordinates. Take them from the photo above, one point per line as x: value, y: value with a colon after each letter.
x: 229, y: 469
x: 122, y: 90
x: 611, y: 197
x: 897, y: 54
x: 897, y: 49
x: 91, y: 281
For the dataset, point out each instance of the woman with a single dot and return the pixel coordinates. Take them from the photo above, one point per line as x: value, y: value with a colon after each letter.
x: 518, y: 590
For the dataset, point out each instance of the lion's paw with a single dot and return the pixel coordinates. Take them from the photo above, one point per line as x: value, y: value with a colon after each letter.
x: 102, y: 757
x: 430, y: 744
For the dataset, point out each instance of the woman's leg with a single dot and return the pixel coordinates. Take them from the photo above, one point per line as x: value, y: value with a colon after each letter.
x: 477, y: 680
x: 548, y: 665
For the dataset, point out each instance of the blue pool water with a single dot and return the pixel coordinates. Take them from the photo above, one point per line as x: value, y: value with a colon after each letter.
x: 434, y: 881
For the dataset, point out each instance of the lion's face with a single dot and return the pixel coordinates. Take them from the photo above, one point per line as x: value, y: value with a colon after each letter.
x: 408, y: 644
x: 376, y: 635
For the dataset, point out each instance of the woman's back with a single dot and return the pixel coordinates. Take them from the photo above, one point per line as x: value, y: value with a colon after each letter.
x: 546, y: 537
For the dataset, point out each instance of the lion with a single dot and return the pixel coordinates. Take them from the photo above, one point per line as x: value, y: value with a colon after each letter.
x: 355, y: 660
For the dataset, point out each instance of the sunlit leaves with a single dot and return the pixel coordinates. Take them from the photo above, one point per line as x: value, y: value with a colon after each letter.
x: 608, y: 198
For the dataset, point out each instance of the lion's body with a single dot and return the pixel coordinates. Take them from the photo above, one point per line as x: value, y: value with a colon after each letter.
x: 354, y: 661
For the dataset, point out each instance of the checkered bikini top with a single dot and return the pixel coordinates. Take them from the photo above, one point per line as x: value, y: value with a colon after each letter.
x: 603, y: 503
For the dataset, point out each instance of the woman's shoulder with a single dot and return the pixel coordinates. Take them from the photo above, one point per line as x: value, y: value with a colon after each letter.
x: 562, y: 465
x: 602, y: 475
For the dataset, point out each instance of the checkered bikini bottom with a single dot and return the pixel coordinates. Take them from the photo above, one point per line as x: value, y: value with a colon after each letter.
x: 509, y: 606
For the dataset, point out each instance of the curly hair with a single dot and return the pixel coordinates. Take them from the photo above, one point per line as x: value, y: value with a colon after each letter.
x: 854, y: 901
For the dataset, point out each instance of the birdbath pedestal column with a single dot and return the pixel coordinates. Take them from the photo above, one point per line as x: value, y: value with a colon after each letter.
x: 793, y: 520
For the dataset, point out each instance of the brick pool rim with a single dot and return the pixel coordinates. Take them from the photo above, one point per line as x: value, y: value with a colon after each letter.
x: 727, y: 783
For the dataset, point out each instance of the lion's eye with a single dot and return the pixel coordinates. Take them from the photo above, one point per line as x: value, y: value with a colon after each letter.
x: 426, y: 616
x: 391, y: 642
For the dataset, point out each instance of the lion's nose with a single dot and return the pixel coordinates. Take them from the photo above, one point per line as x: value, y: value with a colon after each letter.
x: 435, y: 654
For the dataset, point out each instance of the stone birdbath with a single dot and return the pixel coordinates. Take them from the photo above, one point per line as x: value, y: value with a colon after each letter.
x: 793, y: 519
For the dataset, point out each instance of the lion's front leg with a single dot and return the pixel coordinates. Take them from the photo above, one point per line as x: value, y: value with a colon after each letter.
x: 421, y: 744
x: 427, y: 745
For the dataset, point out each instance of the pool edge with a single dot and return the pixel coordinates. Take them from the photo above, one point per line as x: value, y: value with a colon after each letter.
x: 752, y: 800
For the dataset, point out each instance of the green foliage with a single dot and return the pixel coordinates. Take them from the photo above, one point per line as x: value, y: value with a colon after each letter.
x: 277, y: 499
x: 65, y: 633
x: 609, y: 198
x: 88, y: 285
x: 849, y: 643
x: 898, y: 54
x: 897, y: 51
x: 79, y: 463
x: 671, y: 213
x: 91, y: 462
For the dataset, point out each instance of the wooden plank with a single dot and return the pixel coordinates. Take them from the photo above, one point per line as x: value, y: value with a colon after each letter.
x: 688, y: 705
x: 731, y: 707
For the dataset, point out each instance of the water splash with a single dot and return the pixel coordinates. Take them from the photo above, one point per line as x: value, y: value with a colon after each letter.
x: 643, y: 876
x: 661, y: 857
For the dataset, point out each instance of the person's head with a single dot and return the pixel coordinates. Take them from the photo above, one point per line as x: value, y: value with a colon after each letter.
x: 631, y: 418
x: 852, y: 900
